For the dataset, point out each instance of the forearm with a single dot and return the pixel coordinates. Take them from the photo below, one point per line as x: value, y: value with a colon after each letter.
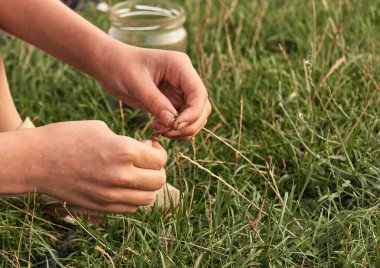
x: 16, y: 171
x: 56, y: 29
x: 9, y: 117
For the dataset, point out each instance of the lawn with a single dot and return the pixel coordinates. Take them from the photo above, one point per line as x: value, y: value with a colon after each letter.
x: 285, y: 174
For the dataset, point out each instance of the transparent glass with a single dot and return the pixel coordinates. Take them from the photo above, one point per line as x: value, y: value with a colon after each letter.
x: 149, y: 23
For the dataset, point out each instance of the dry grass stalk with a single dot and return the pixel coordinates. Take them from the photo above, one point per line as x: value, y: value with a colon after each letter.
x: 240, y: 127
x: 333, y: 68
x: 220, y: 179
x: 105, y: 254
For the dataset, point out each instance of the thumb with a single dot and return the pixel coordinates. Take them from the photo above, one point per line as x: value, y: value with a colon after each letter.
x: 153, y: 144
x: 147, y: 142
x: 154, y: 101
x: 156, y: 145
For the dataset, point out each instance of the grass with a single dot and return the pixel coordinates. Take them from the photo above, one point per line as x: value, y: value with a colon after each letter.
x: 286, y: 173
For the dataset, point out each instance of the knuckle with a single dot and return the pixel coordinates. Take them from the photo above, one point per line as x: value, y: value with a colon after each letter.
x: 156, y: 166
x: 191, y: 131
x: 160, y: 180
x: 183, y: 56
x: 205, y: 95
x: 129, y: 181
x: 128, y: 154
x: 163, y: 159
x: 180, y: 56
x: 121, y: 179
x: 153, y: 100
x: 106, y: 196
x: 159, y: 161
x: 99, y: 124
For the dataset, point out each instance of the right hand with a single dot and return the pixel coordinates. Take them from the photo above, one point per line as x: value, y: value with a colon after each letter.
x: 162, y: 82
x: 85, y: 164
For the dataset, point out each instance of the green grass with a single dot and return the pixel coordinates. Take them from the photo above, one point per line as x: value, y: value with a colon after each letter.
x: 309, y: 145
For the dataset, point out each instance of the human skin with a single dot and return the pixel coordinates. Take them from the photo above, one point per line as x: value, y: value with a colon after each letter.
x: 161, y: 82
x: 9, y: 117
x: 84, y: 163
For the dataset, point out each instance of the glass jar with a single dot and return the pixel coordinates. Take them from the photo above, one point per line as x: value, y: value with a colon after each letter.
x: 150, y: 24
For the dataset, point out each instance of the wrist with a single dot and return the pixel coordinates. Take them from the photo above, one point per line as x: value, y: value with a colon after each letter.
x: 110, y: 59
x: 95, y: 57
x: 17, y: 172
x: 31, y: 139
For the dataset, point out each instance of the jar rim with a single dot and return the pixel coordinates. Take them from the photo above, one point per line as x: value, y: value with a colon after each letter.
x: 146, y: 15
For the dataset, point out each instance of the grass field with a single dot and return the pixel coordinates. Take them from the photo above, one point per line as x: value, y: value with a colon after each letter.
x: 286, y: 173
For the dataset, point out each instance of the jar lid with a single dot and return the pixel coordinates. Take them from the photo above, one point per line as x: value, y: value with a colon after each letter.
x: 146, y: 15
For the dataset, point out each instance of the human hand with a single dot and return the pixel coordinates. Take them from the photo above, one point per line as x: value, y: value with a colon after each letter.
x: 162, y: 82
x: 85, y: 164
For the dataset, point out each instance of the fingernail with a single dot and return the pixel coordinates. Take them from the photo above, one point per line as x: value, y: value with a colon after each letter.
x: 167, y: 117
x: 182, y: 125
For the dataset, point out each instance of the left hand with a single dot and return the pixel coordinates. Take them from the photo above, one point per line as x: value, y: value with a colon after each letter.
x: 161, y: 82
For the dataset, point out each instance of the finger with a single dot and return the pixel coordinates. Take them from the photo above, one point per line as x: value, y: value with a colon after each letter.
x: 127, y: 196
x: 192, y: 129
x: 147, y: 142
x: 195, y: 92
x: 163, y: 130
x: 132, y: 197
x: 152, y: 98
x: 158, y: 146
x: 88, y: 206
x: 133, y: 102
x: 174, y: 94
x: 182, y: 138
x: 144, y: 155
x: 95, y: 209
x: 155, y: 144
x: 119, y: 208
x: 115, y: 208
x: 140, y: 179
x: 156, y: 124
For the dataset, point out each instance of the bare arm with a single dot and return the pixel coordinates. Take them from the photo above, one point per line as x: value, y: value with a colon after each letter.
x: 14, y: 176
x: 56, y: 29
x: 119, y: 173
x: 83, y: 163
x: 161, y: 82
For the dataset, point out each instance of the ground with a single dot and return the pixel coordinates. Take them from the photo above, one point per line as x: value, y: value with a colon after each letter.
x: 285, y: 173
